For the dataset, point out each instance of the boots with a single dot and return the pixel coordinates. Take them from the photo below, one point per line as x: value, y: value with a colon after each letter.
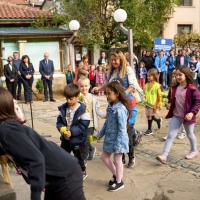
x: 131, y: 162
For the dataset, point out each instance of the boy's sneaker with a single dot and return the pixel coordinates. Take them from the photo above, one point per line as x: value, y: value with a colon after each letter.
x: 159, y: 123
x: 181, y: 136
x: 131, y: 162
x: 92, y: 153
x: 85, y: 163
x: 192, y: 154
x: 149, y: 132
x: 162, y: 158
x: 112, y: 181
x: 116, y: 186
x: 84, y: 175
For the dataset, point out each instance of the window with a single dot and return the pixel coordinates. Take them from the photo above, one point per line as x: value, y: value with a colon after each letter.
x: 182, y: 28
x: 185, y: 2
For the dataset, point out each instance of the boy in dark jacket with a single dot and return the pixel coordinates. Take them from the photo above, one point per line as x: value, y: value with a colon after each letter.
x: 73, y: 122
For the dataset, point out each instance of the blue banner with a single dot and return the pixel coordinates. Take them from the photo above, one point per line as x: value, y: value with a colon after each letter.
x: 162, y: 44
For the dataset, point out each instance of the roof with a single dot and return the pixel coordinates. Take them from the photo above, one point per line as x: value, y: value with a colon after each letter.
x: 24, y: 32
x: 13, y: 11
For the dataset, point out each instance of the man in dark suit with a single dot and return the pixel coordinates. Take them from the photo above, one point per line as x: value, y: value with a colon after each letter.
x: 17, y: 62
x: 11, y: 74
x: 46, y: 69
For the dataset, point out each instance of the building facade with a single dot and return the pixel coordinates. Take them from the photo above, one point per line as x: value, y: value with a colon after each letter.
x: 186, y: 17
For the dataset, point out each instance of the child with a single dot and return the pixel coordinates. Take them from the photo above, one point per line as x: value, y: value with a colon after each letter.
x: 100, y: 78
x: 114, y: 129
x: 185, y: 104
x: 42, y: 163
x: 194, y: 68
x: 70, y: 75
x: 132, y: 133
x: 92, y: 76
x: 142, y: 73
x: 174, y: 83
x: 153, y: 99
x: 94, y: 109
x: 72, y: 122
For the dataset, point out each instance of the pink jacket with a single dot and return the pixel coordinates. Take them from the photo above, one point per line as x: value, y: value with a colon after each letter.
x: 98, y: 77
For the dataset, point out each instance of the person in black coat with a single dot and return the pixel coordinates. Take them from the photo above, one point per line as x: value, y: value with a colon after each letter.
x: 42, y: 163
x: 46, y: 69
x: 27, y: 71
x: 11, y: 74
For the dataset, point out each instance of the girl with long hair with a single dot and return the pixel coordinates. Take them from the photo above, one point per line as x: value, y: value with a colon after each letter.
x: 185, y: 104
x: 38, y: 160
x: 115, y: 131
x: 153, y: 99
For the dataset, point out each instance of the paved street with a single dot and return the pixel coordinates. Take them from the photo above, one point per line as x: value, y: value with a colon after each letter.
x: 148, y: 180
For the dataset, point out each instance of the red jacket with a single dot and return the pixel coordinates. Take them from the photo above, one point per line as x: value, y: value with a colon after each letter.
x: 192, y: 103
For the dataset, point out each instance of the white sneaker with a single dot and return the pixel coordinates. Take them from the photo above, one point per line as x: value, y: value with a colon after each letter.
x: 181, y: 136
x: 164, y: 138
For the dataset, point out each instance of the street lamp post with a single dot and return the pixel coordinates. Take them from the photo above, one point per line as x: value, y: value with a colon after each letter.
x: 120, y: 16
x: 73, y: 26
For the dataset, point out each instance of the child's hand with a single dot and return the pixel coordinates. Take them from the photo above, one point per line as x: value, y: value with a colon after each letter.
x: 189, y: 116
x: 63, y: 130
x: 69, y: 134
x: 98, y: 138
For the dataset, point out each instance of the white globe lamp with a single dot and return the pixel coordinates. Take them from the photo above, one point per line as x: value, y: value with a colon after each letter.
x: 74, y: 25
x: 120, y: 15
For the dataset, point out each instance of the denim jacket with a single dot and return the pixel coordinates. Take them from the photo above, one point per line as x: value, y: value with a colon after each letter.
x: 114, y: 129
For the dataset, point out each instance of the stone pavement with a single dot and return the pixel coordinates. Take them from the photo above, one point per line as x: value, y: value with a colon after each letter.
x: 148, y: 180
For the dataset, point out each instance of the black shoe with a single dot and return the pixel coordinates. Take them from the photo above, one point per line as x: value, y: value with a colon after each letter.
x: 149, y: 132
x: 53, y: 100
x: 116, y: 186
x: 113, y: 180
x: 19, y: 98
x: 123, y: 161
x: 45, y: 100
x: 131, y: 162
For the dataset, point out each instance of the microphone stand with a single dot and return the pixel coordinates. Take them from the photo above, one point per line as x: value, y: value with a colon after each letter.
x: 30, y: 93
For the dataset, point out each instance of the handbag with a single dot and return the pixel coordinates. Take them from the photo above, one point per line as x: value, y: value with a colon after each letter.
x: 138, y: 93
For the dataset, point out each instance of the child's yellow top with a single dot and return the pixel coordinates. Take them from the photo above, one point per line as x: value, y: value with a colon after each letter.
x: 153, y: 95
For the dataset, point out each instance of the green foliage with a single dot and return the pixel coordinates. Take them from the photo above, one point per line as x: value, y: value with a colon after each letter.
x: 39, y: 86
x: 187, y: 39
x: 97, y: 26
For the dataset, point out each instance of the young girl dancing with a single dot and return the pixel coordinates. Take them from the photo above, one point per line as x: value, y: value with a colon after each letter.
x: 153, y: 99
x: 185, y: 104
x: 116, y: 137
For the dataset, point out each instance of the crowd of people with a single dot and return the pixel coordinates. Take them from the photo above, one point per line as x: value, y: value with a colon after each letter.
x: 20, y: 72
x: 78, y: 118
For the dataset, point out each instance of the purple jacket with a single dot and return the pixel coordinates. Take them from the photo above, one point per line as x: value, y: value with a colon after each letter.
x: 144, y: 71
x: 192, y: 103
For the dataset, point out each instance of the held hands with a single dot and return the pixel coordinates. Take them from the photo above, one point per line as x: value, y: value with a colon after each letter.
x: 98, y: 138
x: 12, y: 80
x: 189, y: 116
x: 47, y: 77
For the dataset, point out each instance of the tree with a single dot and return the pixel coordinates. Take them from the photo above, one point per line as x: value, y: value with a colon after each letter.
x: 97, y: 25
x: 187, y: 39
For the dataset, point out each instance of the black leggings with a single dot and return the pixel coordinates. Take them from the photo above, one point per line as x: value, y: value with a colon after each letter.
x: 69, y: 188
